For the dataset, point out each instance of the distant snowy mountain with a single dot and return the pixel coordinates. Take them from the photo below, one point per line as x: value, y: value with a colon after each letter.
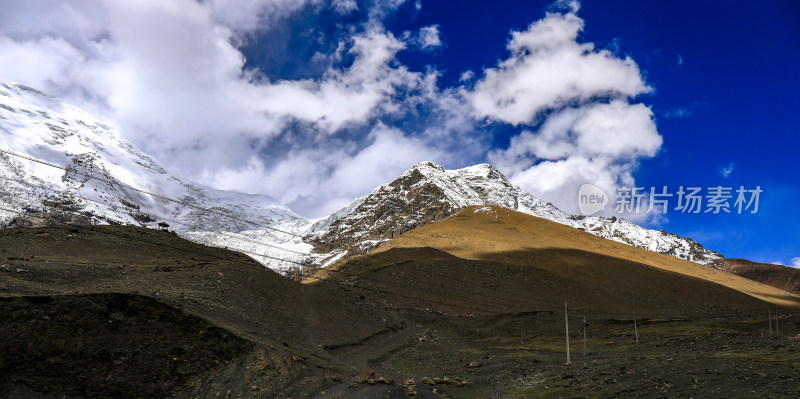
x: 427, y: 193
x: 101, y: 178
x: 100, y: 173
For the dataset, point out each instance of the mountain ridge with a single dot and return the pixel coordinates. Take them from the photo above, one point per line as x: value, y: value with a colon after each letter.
x: 101, y: 178
x: 427, y: 193
x: 99, y: 174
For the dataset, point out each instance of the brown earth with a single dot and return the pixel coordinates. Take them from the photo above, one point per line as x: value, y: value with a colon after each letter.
x: 501, y: 235
x: 69, y: 278
x: 113, y: 311
x: 129, y: 343
x: 782, y: 277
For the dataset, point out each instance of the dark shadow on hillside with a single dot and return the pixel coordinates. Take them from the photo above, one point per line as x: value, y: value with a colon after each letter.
x: 106, y: 345
x: 535, y: 279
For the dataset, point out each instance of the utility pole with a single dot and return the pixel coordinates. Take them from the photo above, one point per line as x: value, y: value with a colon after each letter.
x: 777, y: 332
x: 584, y: 335
x: 635, y: 329
x: 769, y: 312
x: 566, y: 325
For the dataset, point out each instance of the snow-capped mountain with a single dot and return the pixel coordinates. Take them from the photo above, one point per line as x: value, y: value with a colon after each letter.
x: 427, y: 193
x: 94, y: 175
x: 90, y: 174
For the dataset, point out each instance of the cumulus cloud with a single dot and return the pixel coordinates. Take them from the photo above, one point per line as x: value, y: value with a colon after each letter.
x: 548, y: 69
x: 429, y: 37
x: 172, y: 76
x: 165, y: 72
x: 345, y: 96
x: 327, y: 178
x: 616, y: 130
x: 576, y: 101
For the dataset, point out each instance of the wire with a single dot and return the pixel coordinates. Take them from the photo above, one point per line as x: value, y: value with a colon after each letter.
x: 452, y: 305
x: 383, y: 291
x: 244, y: 237
x: 328, y: 271
x: 148, y: 193
x: 240, y: 236
x: 185, y: 204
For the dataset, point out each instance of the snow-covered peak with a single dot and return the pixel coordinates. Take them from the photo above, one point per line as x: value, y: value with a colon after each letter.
x: 104, y: 173
x: 20, y: 90
x: 427, y: 193
x: 101, y: 176
x: 426, y: 168
x: 483, y: 170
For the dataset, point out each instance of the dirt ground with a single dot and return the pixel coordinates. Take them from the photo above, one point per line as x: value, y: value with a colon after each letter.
x: 522, y: 356
x: 97, y: 312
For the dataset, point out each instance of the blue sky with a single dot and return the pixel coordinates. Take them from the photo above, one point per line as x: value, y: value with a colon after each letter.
x: 317, y: 102
x: 726, y: 93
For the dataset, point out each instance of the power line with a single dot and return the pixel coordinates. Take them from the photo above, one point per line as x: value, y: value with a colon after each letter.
x: 372, y: 289
x: 147, y: 192
x: 206, y: 210
x: 374, y: 256
x: 329, y: 271
x: 453, y: 305
x: 182, y: 203
x: 244, y: 237
x: 240, y: 235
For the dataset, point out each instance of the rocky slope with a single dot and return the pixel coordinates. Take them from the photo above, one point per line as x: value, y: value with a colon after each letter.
x: 107, y: 312
x: 97, y: 175
x: 91, y: 174
x: 779, y: 276
x: 87, y: 173
x: 427, y: 193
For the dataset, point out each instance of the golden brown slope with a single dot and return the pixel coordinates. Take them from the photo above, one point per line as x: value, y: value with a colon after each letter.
x: 504, y: 236
x: 782, y: 277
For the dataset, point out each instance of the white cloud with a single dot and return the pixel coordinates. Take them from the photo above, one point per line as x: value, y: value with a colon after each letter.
x: 466, y: 76
x: 794, y: 262
x: 345, y: 6
x: 327, y: 178
x: 549, y: 69
x: 684, y: 111
x: 578, y: 101
x: 726, y: 171
x: 172, y: 77
x: 164, y: 72
x: 168, y: 74
x: 248, y: 15
x: 615, y: 130
x: 429, y: 37
x: 344, y: 96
